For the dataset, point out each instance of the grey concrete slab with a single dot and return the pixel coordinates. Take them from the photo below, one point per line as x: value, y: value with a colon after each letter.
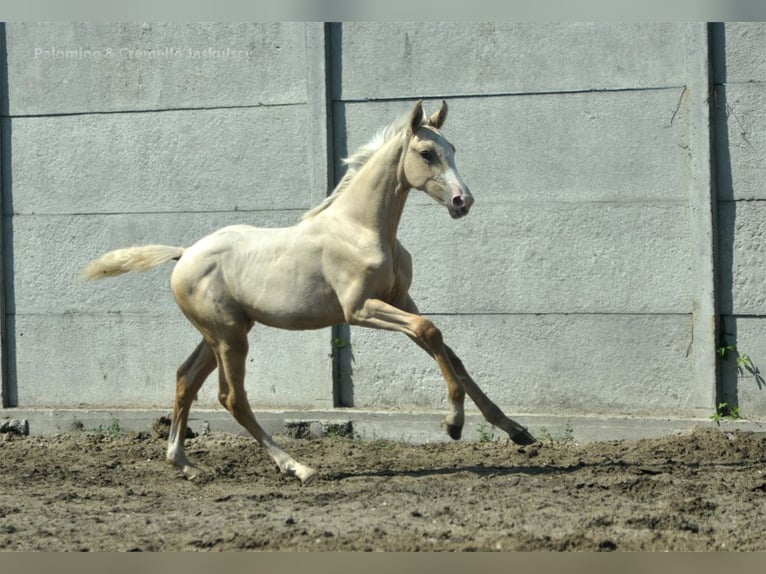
x: 595, y: 146
x: 743, y: 383
x: 619, y: 258
x: 741, y: 141
x: 405, y: 60
x: 565, y: 364
x: 64, y: 68
x: 421, y: 426
x: 742, y: 257
x: 531, y: 258
x: 744, y: 45
x: 126, y: 361
x: 198, y: 160
x: 48, y: 253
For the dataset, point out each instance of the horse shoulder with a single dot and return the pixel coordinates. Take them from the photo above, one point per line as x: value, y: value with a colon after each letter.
x: 403, y: 259
x: 402, y: 270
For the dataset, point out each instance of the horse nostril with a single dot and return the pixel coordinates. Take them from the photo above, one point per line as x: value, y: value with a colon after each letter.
x: 458, y: 202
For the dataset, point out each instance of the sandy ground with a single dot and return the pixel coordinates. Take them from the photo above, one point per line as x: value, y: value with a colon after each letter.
x: 89, y: 491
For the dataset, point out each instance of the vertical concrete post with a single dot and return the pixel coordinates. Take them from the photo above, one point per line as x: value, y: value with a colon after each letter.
x: 321, y: 161
x: 4, y: 181
x: 320, y: 111
x: 702, y: 218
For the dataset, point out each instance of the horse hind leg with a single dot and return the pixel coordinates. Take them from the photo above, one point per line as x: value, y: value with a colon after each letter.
x: 189, y: 378
x: 231, y: 355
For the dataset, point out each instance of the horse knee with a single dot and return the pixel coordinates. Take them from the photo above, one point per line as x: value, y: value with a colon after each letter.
x: 427, y: 332
x: 231, y: 402
x: 456, y: 394
x: 236, y: 405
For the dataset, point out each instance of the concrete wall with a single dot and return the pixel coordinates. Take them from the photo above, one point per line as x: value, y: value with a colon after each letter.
x: 577, y: 287
x: 586, y: 284
x: 740, y: 111
x: 117, y: 135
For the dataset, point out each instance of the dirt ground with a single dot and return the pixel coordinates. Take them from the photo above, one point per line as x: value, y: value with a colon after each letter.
x: 89, y: 491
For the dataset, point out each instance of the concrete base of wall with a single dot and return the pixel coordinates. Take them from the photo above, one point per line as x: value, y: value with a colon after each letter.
x: 407, y: 426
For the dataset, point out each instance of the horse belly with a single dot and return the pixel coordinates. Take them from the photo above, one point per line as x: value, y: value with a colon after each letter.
x: 288, y: 292
x: 296, y: 309
x: 273, y: 276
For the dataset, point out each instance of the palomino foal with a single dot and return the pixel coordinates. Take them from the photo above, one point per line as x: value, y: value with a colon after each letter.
x: 340, y: 263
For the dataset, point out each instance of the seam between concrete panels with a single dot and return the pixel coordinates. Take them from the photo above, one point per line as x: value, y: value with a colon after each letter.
x: 161, y: 110
x: 5, y: 166
x: 322, y: 160
x: 342, y: 387
x: 488, y: 95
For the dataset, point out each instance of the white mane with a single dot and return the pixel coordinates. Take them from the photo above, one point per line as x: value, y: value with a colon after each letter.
x: 356, y: 160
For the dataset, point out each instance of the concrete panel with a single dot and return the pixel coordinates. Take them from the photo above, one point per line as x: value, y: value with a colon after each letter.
x: 742, y: 258
x: 124, y: 360
x: 741, y: 141
x: 182, y: 161
x: 741, y: 153
x: 49, y: 253
x: 61, y: 68
x: 573, y: 288
x: 627, y: 146
x: 395, y: 60
x: 556, y: 258
x: 745, y: 43
x: 745, y: 387
x: 626, y: 364
x: 527, y: 259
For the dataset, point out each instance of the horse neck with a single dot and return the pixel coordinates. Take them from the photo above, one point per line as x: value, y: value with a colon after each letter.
x: 376, y: 195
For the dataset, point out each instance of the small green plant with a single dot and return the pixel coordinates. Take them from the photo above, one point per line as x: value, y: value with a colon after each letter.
x: 485, y: 433
x: 743, y: 359
x: 377, y: 442
x: 566, y: 434
x: 744, y: 362
x: 339, y: 430
x: 724, y: 350
x: 725, y: 412
x: 113, y: 429
x: 340, y: 342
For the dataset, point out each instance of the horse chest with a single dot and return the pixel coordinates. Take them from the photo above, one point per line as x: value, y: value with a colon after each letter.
x: 385, y: 280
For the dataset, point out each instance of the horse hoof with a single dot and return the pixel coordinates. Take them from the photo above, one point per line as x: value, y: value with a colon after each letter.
x: 454, y: 431
x: 307, y: 475
x: 194, y: 473
x: 522, y: 437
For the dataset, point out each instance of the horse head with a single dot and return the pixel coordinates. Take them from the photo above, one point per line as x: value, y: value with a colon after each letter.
x: 429, y: 161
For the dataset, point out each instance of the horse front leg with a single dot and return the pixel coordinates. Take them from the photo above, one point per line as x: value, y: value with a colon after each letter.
x: 494, y: 415
x: 454, y: 421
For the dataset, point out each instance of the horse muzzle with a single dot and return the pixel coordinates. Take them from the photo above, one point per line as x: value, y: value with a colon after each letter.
x: 461, y: 203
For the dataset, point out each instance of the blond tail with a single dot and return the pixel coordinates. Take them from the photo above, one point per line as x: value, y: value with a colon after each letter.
x: 121, y: 261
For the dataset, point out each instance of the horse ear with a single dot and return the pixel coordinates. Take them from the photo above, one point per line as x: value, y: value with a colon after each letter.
x: 416, y: 117
x: 437, y: 119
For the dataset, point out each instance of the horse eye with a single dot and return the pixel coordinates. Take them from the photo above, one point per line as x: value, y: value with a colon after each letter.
x: 427, y: 155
